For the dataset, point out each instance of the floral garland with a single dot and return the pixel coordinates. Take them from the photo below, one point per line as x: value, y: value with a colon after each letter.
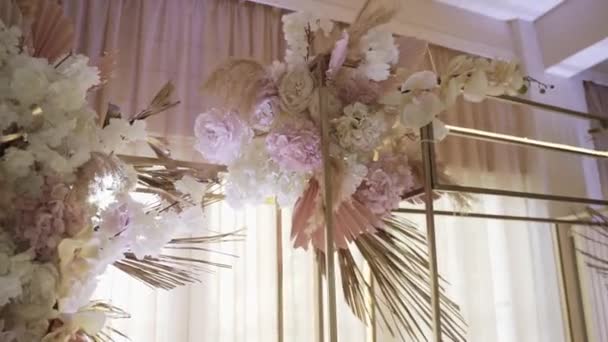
x: 269, y: 138
x: 68, y: 204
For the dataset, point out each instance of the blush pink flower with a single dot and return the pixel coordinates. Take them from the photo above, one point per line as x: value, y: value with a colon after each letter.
x: 221, y: 135
x: 295, y: 146
x: 353, y: 86
x: 386, y: 181
x: 42, y: 222
x: 338, y: 55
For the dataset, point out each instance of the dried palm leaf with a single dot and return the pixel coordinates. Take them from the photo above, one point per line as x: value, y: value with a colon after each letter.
x: 160, y: 103
x: 107, y: 334
x: 52, y: 32
x: 238, y: 85
x: 170, y: 271
x: 10, y: 14
x: 397, y: 256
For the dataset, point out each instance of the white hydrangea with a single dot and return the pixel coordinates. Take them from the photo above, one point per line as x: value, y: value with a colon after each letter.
x: 354, y: 174
x: 380, y: 52
x: 17, y: 162
x: 358, y: 129
x: 119, y: 132
x: 9, y: 41
x: 295, y: 28
x: 254, y: 178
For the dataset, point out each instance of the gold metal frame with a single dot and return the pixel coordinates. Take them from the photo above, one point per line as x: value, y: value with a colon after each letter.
x: 431, y: 185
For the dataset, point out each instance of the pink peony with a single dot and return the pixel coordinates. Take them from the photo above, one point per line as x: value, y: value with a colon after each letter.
x: 295, y: 146
x: 221, y: 135
x: 386, y: 181
x: 42, y: 222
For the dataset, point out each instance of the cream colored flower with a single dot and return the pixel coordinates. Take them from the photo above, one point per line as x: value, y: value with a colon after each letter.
x: 296, y: 90
x: 87, y: 321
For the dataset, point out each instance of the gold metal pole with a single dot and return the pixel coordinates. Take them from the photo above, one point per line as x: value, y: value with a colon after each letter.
x: 329, y: 212
x: 515, y: 140
x: 320, y: 319
x: 500, y: 217
x: 429, y: 181
x: 525, y: 102
x: 520, y: 194
x: 279, y: 237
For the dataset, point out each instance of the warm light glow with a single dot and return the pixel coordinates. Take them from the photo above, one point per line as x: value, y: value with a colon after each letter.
x: 104, y: 191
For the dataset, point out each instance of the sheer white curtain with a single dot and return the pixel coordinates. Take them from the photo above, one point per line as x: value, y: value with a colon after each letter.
x: 502, y: 274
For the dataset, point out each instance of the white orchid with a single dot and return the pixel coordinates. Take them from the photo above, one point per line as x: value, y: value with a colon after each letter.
x: 417, y: 99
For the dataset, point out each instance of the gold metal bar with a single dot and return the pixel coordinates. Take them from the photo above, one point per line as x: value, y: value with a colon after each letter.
x: 500, y: 217
x: 573, y: 310
x: 329, y: 215
x: 525, y: 102
x: 155, y: 161
x: 5, y: 139
x: 515, y: 140
x: 279, y: 237
x: 320, y: 319
x: 520, y: 194
x: 429, y: 180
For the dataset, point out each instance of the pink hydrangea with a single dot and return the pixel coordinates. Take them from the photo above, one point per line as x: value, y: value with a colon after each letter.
x: 42, y: 222
x: 221, y: 135
x: 295, y: 146
x: 115, y: 219
x: 265, y: 113
x: 386, y: 181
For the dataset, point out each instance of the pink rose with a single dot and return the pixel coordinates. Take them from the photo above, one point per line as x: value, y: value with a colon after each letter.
x: 295, y: 146
x: 221, y: 135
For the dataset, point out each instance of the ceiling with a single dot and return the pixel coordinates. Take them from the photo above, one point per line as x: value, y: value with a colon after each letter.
x: 507, y: 9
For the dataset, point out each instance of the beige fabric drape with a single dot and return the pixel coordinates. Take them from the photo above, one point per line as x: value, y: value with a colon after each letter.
x: 597, y: 100
x: 502, y: 274
x: 182, y: 41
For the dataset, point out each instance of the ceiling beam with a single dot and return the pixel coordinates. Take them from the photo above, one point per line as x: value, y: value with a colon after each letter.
x: 432, y: 21
x: 574, y: 36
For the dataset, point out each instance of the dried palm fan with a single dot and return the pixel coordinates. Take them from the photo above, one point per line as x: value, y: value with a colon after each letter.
x: 10, y: 14
x: 170, y: 271
x: 398, y: 259
x: 107, y: 334
x: 52, y: 34
x: 595, y: 234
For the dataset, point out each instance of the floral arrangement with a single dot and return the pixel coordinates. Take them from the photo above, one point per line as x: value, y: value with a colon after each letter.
x: 270, y: 139
x: 70, y: 207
